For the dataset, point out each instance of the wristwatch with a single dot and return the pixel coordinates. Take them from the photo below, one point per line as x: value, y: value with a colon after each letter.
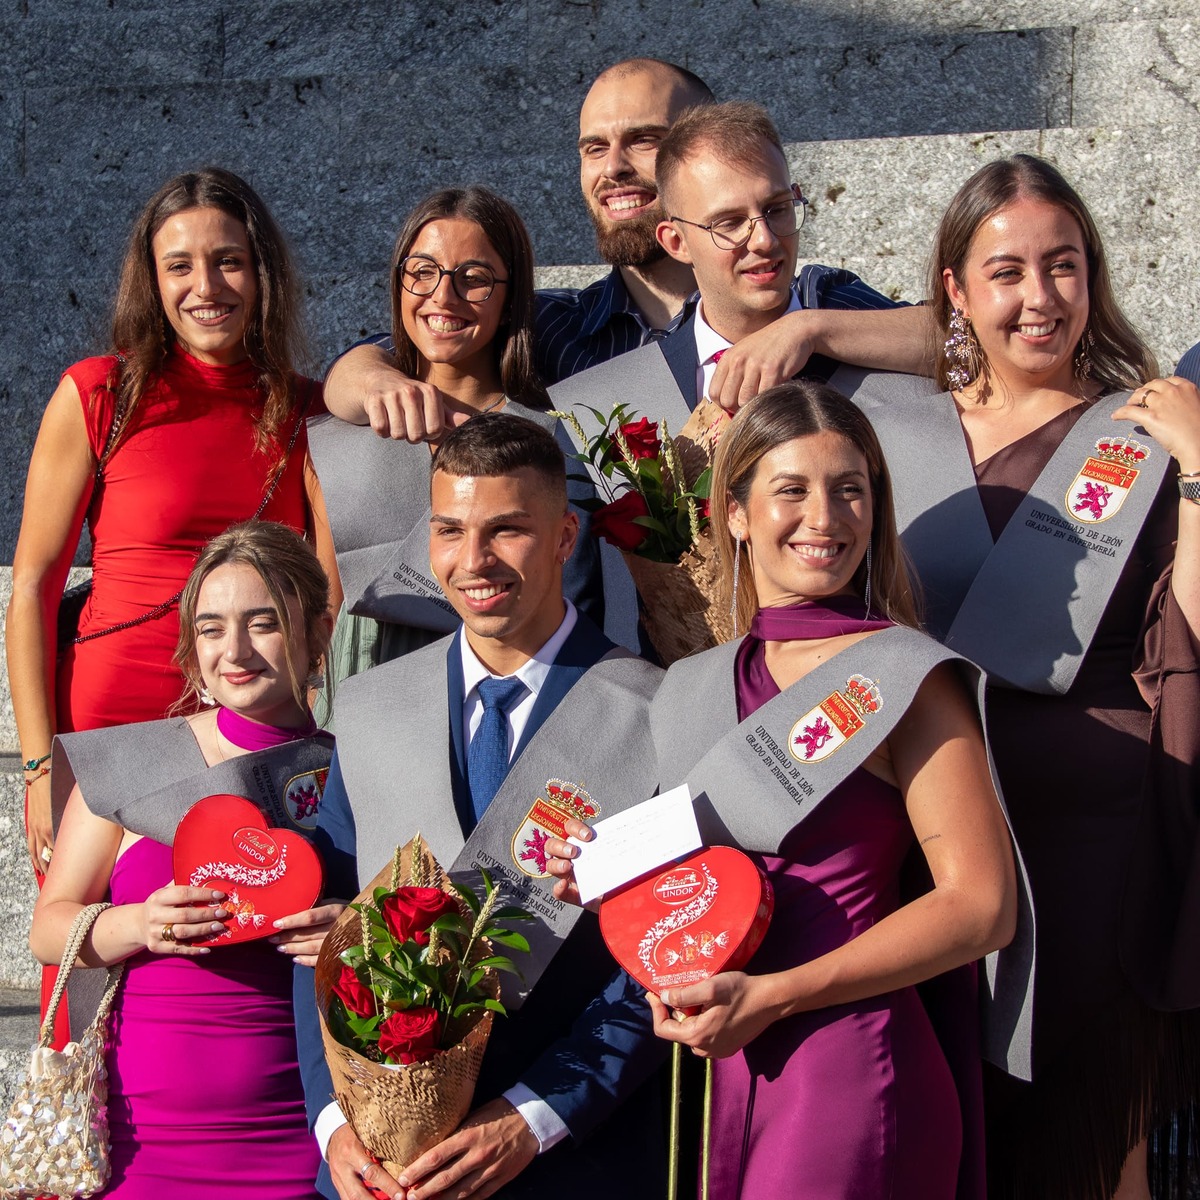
x: 1189, y: 487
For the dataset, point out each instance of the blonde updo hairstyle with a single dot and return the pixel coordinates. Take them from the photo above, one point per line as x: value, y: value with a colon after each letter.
x: 287, y: 565
x: 781, y: 414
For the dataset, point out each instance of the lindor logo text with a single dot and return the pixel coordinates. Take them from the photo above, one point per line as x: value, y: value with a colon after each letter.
x: 678, y: 887
x: 255, y: 846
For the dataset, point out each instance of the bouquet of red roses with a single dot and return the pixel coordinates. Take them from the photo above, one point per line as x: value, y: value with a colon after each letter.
x: 407, y: 987
x: 655, y: 511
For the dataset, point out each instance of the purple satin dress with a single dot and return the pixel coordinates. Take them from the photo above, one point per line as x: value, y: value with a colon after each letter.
x: 857, y: 1101
x: 205, y: 1100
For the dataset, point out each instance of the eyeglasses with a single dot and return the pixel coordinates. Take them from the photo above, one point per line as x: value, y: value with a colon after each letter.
x: 783, y: 219
x: 422, y: 277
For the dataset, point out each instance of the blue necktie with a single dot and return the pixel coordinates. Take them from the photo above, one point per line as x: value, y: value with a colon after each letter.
x: 487, y: 756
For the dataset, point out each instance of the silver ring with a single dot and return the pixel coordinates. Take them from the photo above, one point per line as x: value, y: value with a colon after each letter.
x: 46, y: 854
x: 362, y: 1171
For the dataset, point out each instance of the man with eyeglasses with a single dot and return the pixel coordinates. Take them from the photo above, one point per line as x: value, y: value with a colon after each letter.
x: 733, y: 217
x: 646, y: 296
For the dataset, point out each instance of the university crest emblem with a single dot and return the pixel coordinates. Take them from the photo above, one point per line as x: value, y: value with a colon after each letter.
x: 1100, y: 488
x: 835, y: 720
x: 546, y: 820
x: 302, y: 797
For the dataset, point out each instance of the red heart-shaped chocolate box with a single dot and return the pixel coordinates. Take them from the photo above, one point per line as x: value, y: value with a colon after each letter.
x: 223, y: 842
x: 706, y: 914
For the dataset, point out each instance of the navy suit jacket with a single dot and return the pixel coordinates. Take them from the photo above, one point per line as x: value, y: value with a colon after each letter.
x: 583, y: 1041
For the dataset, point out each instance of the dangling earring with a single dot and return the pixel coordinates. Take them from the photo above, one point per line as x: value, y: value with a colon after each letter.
x: 206, y: 697
x: 868, y: 595
x: 962, y: 361
x: 1083, y: 357
x: 737, y: 567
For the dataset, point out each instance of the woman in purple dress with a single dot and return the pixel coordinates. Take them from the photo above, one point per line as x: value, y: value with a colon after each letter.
x: 205, y: 1098
x: 830, y: 1081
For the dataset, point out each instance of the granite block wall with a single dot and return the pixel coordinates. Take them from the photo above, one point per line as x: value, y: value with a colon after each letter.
x: 343, y: 115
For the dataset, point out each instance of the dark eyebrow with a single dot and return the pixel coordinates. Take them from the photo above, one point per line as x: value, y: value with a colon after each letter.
x: 518, y: 514
x: 1065, y: 247
x: 777, y: 198
x: 792, y: 475
x: 218, y: 250
x: 250, y: 612
x: 634, y: 131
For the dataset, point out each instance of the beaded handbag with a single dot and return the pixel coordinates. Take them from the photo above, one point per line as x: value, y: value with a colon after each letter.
x: 55, y: 1140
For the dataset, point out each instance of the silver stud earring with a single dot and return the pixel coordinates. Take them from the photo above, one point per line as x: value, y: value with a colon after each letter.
x: 868, y: 595
x: 737, y: 568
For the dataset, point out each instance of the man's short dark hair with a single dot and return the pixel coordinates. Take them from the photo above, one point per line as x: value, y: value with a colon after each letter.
x: 501, y: 444
x: 734, y: 131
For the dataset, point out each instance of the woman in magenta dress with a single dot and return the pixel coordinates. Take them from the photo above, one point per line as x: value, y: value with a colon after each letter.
x: 830, y: 1081
x: 205, y: 1098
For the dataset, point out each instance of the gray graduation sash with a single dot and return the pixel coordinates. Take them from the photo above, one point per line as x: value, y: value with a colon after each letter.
x: 1055, y: 566
x: 393, y: 724
x: 641, y: 378
x: 377, y: 497
x: 753, y: 782
x: 144, y: 777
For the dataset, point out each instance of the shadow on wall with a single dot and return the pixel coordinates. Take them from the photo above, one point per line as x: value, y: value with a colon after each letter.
x: 342, y: 123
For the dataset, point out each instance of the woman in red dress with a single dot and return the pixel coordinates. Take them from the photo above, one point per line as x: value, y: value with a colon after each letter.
x: 194, y: 422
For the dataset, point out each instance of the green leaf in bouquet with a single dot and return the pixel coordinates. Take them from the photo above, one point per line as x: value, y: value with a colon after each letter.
x: 495, y: 1006
x: 703, y: 485
x: 509, y: 938
x: 652, y: 523
x: 352, y: 956
x: 365, y: 1029
x: 451, y: 923
x: 468, y: 896
x: 468, y: 1006
x: 498, y: 962
x: 488, y: 886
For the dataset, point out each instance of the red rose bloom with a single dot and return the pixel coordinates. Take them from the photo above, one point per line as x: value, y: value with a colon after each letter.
x: 614, y: 522
x: 410, y: 1036
x: 355, y: 994
x: 411, y: 911
x: 642, y: 439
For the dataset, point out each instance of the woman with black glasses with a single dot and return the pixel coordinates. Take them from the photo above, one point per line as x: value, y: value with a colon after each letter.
x: 462, y: 320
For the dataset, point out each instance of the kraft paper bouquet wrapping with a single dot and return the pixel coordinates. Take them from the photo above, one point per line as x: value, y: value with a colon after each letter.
x: 407, y: 990
x: 656, y: 514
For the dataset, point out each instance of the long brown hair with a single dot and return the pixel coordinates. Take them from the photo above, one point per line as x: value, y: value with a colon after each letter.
x: 288, y: 566
x: 502, y: 226
x: 142, y: 333
x: 1120, y: 358
x: 795, y: 410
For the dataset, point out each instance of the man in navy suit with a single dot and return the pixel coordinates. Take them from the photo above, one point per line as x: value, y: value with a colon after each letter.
x: 561, y: 1084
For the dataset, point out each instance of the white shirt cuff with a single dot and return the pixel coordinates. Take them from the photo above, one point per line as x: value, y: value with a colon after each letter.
x: 330, y: 1120
x: 546, y: 1124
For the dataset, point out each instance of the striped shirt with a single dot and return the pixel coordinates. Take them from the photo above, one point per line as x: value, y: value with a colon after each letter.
x: 578, y: 329
x: 1189, y: 365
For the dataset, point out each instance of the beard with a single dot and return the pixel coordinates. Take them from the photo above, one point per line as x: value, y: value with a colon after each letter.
x: 630, y: 243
